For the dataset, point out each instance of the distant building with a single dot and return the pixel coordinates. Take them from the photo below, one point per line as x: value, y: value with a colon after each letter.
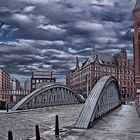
x: 83, y: 78
x: 10, y: 89
x: 27, y: 85
x: 4, y: 84
x: 4, y: 80
x: 136, y: 45
x: 15, y: 84
x: 40, y: 78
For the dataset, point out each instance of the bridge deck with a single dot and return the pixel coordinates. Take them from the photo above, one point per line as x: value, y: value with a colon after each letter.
x: 121, y: 124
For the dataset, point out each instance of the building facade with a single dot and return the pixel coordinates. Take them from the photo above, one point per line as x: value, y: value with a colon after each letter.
x: 10, y: 89
x: 4, y: 80
x: 4, y: 84
x: 41, y: 78
x: 83, y: 78
x: 136, y: 45
x: 27, y: 85
x: 15, y: 84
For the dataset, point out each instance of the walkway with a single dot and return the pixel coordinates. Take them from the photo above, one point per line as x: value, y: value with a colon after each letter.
x: 121, y: 124
x: 22, y: 123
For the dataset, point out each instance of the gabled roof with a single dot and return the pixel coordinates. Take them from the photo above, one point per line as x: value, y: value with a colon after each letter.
x: 137, y: 4
x: 105, y: 57
x: 91, y: 59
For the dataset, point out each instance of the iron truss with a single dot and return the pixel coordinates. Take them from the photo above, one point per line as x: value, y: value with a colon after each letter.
x: 49, y: 95
x: 104, y: 97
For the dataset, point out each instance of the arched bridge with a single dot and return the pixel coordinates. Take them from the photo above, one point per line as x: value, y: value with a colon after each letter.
x: 49, y: 95
x: 104, y: 97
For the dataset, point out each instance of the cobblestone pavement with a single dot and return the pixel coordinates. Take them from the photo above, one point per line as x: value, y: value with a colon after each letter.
x: 121, y: 124
x: 22, y: 123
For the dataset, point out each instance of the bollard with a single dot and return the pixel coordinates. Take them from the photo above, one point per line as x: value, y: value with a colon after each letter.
x: 56, y: 126
x: 10, y: 135
x: 37, y: 132
x: 7, y: 108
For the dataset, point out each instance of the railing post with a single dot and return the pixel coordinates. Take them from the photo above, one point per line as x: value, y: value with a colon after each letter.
x: 7, y: 107
x: 37, y: 132
x: 56, y: 126
x: 10, y: 135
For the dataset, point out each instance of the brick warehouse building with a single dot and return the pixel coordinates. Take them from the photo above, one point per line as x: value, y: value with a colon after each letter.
x: 83, y: 78
x: 136, y: 45
x: 4, y: 80
x: 4, y: 84
x: 10, y: 89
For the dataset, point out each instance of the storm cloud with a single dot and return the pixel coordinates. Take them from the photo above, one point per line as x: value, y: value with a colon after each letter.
x: 49, y: 34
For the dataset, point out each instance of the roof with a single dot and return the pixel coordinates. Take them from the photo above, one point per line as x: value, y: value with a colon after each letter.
x: 137, y: 4
x: 105, y: 57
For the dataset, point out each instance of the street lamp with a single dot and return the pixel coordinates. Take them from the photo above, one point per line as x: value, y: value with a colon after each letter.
x: 124, y: 94
x: 117, y: 64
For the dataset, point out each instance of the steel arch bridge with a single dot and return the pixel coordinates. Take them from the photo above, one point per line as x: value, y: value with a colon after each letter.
x: 49, y: 95
x: 104, y: 97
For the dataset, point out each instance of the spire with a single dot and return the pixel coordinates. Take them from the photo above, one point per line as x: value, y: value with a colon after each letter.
x: 137, y: 4
x: 77, y: 62
x: 93, y: 54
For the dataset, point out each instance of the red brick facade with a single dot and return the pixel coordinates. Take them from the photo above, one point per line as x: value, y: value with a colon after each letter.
x: 83, y: 78
x: 4, y: 80
x: 136, y: 45
x: 6, y: 87
x: 4, y: 84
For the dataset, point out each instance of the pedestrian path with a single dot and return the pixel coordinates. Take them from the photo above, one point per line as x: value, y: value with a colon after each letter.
x: 121, y: 124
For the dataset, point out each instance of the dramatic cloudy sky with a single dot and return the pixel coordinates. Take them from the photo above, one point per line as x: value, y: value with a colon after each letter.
x: 49, y: 34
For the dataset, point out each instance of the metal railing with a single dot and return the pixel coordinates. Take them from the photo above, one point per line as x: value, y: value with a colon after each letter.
x: 49, y: 95
x: 14, y: 92
x: 104, y: 97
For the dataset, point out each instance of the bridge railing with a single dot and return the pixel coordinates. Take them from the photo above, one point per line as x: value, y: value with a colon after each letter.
x: 104, y: 97
x: 49, y: 95
x: 14, y: 92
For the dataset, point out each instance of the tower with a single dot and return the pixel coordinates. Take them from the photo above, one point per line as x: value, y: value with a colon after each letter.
x: 136, y: 44
x: 93, y: 55
x: 77, y: 62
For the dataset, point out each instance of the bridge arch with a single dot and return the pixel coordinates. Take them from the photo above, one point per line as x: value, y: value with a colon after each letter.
x: 49, y: 95
x: 104, y: 97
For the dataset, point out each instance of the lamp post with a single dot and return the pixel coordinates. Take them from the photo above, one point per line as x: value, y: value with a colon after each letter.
x: 125, y: 94
x: 117, y: 65
x: 87, y: 84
